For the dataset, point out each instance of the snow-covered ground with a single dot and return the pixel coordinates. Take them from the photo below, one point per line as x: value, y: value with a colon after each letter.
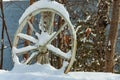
x: 47, y: 72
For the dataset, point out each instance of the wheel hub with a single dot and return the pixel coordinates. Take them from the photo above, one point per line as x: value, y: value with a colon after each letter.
x: 41, y: 42
x: 42, y: 49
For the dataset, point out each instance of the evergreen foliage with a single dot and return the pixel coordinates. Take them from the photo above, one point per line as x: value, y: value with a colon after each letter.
x: 91, y: 47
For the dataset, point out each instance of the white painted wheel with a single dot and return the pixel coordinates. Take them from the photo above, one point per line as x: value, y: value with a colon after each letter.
x: 42, y: 38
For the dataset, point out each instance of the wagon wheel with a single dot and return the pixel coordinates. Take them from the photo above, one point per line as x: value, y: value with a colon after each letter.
x: 44, y: 33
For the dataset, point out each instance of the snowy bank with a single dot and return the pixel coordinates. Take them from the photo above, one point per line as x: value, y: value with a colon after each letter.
x: 47, y: 72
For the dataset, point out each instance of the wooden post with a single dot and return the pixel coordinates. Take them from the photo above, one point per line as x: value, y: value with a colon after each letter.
x: 46, y: 25
x: 109, y: 64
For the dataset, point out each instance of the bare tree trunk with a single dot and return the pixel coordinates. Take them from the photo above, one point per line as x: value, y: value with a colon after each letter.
x: 2, y: 36
x: 109, y: 64
x: 59, y: 59
x: 29, y: 33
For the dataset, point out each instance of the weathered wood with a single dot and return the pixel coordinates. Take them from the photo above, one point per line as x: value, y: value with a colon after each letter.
x: 46, y: 20
x: 46, y: 24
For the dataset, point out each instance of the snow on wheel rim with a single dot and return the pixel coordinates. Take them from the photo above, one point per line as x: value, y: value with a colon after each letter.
x: 45, y: 4
x: 35, y: 9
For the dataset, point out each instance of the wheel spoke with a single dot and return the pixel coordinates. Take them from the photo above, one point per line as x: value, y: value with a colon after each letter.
x: 51, y: 23
x: 31, y: 26
x: 33, y: 55
x: 55, y: 35
x: 21, y: 51
x: 27, y: 37
x: 58, y: 52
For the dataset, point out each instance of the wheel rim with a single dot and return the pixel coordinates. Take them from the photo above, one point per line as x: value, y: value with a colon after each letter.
x: 39, y: 45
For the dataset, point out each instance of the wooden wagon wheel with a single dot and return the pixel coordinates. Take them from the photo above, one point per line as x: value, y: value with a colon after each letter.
x: 44, y: 32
